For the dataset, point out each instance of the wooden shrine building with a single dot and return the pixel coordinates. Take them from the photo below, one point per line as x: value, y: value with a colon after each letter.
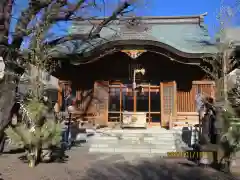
x: 170, y: 50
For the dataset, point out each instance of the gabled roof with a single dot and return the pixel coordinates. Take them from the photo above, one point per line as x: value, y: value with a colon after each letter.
x: 185, y: 35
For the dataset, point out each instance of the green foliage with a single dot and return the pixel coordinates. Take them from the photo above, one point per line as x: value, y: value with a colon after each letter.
x: 13, y: 134
x: 48, y: 135
x: 35, y: 132
x: 36, y: 109
x: 51, y: 133
x: 227, y: 115
x: 231, y: 129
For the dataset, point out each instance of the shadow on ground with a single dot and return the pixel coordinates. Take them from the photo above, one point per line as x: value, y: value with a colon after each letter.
x: 149, y: 170
x: 0, y: 177
x: 15, y: 151
x: 58, y: 156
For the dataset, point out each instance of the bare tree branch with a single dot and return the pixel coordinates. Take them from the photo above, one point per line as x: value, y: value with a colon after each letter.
x: 50, y: 12
x: 95, y: 31
x: 5, y: 11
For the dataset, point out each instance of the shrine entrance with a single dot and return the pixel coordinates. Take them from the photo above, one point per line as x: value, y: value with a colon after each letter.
x: 157, y: 101
x: 116, y: 89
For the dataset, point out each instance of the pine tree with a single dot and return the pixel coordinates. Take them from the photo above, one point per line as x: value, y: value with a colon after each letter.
x: 230, y: 118
x: 35, y: 132
x: 38, y: 130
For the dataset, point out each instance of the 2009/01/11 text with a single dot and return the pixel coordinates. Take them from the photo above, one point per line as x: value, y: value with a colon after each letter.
x: 192, y: 154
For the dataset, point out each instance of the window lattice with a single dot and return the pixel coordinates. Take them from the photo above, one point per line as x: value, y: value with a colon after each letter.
x: 168, y: 99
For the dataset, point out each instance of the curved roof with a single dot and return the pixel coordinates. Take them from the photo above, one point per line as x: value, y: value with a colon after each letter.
x: 184, y: 35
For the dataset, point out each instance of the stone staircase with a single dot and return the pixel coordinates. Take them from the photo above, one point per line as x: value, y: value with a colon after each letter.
x: 149, y: 141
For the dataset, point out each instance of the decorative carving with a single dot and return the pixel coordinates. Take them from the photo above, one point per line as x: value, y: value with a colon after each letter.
x: 133, y: 29
x: 136, y: 24
x: 134, y: 54
x: 133, y: 22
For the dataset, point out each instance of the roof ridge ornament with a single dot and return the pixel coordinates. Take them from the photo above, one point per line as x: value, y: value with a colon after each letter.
x: 203, y: 15
x: 135, y: 21
x: 135, y: 24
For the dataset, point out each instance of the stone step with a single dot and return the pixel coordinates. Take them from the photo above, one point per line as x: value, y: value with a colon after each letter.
x: 130, y: 150
x: 142, y: 138
x: 148, y: 134
x: 138, y: 137
x: 135, y: 146
x: 151, y: 131
x: 126, y: 141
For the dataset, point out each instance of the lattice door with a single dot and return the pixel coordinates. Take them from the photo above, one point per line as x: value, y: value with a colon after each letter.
x: 168, y: 102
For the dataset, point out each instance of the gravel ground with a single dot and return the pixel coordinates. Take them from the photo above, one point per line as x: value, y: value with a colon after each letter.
x: 11, y: 168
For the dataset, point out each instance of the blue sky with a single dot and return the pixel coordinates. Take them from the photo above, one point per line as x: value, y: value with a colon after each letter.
x: 149, y: 8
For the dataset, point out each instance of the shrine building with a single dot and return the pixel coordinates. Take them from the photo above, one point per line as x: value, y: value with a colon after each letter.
x: 141, y: 64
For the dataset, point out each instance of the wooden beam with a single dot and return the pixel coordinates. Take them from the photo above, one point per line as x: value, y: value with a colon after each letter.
x: 117, y: 112
x: 143, y: 86
x: 187, y: 113
x: 204, y: 82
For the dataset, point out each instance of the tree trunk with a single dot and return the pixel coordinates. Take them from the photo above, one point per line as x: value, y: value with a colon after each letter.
x: 2, y: 141
x: 7, y: 99
x: 5, y: 15
x: 7, y: 85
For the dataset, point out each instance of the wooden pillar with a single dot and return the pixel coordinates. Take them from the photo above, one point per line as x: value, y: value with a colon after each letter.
x: 120, y: 99
x: 174, y: 113
x: 161, y: 105
x: 60, y: 94
x: 134, y: 101
x: 213, y: 90
x: 149, y: 103
x: 170, y: 121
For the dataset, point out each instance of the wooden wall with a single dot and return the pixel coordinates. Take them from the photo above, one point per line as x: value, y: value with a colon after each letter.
x: 186, y: 105
x: 186, y: 100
